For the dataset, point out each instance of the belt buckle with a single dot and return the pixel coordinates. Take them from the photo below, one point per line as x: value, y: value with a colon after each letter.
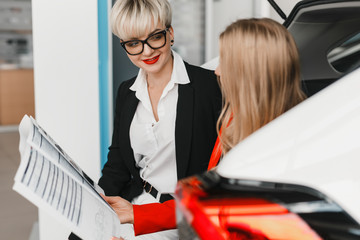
x: 145, y: 182
x: 150, y: 189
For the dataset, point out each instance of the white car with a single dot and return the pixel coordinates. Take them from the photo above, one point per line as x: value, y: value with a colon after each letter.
x: 297, y: 177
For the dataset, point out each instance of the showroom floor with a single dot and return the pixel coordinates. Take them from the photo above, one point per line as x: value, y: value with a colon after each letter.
x: 18, y: 217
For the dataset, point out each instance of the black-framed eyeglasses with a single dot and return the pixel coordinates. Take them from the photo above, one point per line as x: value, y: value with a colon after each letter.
x: 155, y: 41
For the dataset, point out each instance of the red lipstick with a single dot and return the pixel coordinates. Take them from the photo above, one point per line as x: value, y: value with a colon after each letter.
x: 152, y: 60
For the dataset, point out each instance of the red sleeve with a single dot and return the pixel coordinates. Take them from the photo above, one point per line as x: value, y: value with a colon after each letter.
x: 216, y: 154
x: 154, y: 217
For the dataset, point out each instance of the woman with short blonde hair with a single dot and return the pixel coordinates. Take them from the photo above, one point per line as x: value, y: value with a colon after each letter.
x: 165, y: 122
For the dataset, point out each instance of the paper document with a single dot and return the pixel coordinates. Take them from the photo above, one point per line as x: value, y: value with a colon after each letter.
x: 50, y: 179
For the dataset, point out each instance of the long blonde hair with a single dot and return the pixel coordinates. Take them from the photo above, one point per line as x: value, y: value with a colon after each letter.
x: 260, y: 77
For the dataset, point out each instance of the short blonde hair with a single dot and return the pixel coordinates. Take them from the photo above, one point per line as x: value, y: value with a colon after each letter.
x: 260, y: 77
x: 133, y: 18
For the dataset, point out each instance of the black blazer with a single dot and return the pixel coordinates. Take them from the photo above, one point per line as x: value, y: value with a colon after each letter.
x: 198, y: 108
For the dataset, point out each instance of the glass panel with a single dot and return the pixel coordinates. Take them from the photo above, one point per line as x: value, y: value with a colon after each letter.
x: 346, y: 57
x: 189, y: 28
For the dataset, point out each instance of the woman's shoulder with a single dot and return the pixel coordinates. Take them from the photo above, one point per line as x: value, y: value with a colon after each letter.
x: 192, y: 69
x: 125, y: 85
x: 128, y: 83
x: 124, y: 89
x: 200, y: 76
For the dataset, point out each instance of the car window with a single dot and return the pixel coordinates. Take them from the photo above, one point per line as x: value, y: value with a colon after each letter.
x: 346, y: 56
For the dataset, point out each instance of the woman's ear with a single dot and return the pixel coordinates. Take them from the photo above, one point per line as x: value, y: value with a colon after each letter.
x: 171, y: 32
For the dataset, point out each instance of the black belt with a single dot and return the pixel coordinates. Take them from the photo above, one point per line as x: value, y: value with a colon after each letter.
x: 150, y: 189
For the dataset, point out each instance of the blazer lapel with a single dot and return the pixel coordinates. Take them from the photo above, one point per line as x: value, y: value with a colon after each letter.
x: 183, y: 128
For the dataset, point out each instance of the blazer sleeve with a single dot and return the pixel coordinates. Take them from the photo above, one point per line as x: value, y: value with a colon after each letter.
x: 115, y: 174
x: 145, y: 222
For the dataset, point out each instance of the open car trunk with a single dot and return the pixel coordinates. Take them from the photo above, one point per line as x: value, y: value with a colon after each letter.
x: 327, y: 33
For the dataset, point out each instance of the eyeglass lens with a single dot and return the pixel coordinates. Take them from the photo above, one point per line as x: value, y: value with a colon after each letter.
x: 155, y: 41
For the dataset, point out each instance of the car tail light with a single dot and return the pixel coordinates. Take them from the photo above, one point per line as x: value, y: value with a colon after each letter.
x: 247, y: 213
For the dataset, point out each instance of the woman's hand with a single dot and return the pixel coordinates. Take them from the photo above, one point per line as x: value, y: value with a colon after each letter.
x: 122, y: 207
x: 115, y: 238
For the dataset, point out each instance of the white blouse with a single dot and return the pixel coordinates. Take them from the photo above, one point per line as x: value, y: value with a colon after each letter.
x: 153, y: 142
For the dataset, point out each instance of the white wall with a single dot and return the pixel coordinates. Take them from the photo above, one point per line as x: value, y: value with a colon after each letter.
x: 221, y: 13
x: 66, y: 85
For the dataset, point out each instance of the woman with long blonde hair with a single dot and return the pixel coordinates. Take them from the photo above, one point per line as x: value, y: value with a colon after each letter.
x: 259, y: 75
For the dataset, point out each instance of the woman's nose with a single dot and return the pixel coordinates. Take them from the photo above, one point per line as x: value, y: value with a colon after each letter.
x: 147, y: 50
